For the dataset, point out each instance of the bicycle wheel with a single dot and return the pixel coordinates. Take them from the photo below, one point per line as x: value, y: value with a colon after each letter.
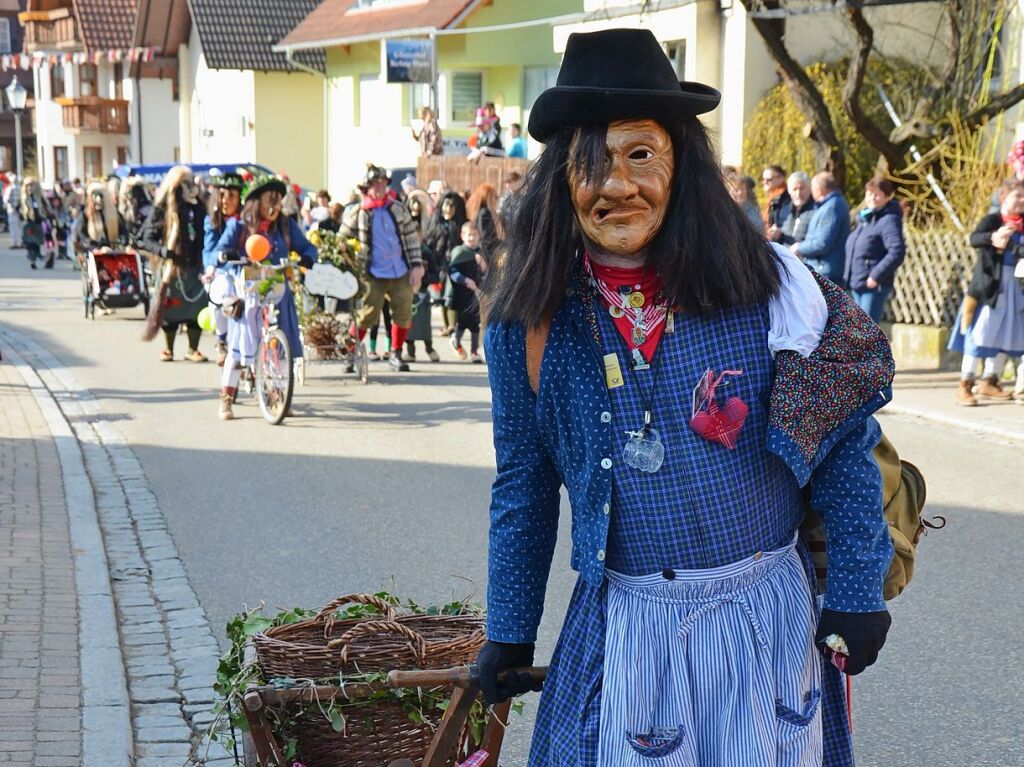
x: 275, y: 378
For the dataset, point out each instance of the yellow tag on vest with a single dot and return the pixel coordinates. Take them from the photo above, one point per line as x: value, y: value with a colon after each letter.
x: 612, y: 371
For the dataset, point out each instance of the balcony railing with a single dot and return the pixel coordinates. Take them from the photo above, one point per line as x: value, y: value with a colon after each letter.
x: 53, y: 33
x: 96, y: 115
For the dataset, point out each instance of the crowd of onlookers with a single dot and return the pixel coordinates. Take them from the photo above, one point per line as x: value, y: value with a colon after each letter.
x: 860, y: 250
x: 486, y: 142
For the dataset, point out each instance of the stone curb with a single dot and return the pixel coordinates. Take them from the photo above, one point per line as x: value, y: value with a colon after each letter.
x: 106, y: 713
x: 949, y: 420
x: 166, y: 650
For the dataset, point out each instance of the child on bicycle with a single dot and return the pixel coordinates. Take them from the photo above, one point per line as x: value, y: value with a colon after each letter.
x: 261, y: 214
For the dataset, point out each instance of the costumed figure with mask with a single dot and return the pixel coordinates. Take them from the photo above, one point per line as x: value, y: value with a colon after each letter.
x: 444, y: 235
x: 173, y: 232
x: 104, y: 227
x: 134, y: 203
x: 35, y: 214
x: 261, y: 214
x: 225, y: 205
x: 697, y: 384
x: 394, y: 261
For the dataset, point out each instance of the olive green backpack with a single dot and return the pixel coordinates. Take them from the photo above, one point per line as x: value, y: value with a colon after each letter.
x: 903, y: 495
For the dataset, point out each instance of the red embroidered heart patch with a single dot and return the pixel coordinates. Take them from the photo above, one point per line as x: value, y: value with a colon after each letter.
x: 721, y: 424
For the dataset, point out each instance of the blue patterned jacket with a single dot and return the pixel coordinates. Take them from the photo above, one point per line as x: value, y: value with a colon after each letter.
x: 819, y: 424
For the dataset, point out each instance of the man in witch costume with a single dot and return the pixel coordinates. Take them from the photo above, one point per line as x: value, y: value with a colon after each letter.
x: 698, y: 387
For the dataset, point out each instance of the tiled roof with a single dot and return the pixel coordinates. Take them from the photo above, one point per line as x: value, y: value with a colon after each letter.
x: 239, y: 35
x: 337, y: 21
x: 106, y: 23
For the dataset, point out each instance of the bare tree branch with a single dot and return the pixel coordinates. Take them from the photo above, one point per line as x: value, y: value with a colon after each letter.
x: 828, y: 153
x: 995, y: 106
x: 874, y: 135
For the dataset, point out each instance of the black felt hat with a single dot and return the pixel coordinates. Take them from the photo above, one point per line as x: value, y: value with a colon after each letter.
x: 617, y: 74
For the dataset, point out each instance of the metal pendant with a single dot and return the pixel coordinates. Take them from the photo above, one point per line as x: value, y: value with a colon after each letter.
x: 639, y: 336
x: 638, y: 362
x: 644, y: 450
x: 636, y: 299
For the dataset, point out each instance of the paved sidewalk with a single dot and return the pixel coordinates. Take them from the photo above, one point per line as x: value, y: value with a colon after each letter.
x: 932, y: 396
x: 40, y: 684
x: 91, y: 565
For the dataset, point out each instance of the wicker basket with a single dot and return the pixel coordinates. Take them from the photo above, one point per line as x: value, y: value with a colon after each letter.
x: 374, y: 735
x: 323, y: 648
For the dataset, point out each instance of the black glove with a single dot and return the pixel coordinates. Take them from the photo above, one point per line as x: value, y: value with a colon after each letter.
x: 864, y: 634
x: 496, y: 657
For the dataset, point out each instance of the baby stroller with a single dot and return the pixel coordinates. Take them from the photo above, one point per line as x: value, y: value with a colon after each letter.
x: 114, y: 279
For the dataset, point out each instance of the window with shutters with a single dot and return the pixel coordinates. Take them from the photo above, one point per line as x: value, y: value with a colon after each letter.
x: 467, y: 95
x: 5, y: 36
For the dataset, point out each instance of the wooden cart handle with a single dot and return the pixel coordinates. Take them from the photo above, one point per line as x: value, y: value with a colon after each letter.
x: 461, y: 677
x: 368, y: 628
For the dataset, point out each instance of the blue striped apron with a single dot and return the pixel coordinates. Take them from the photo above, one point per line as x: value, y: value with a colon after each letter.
x: 714, y: 668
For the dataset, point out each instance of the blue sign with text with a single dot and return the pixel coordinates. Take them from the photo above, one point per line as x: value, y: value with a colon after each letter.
x: 410, y: 61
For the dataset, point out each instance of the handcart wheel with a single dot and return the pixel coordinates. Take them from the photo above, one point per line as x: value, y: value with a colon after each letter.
x: 275, y: 376
x: 362, y: 363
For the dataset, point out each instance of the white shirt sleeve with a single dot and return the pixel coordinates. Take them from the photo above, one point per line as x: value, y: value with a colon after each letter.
x: 799, y: 313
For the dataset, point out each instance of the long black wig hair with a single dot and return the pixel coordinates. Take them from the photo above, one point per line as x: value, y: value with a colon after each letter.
x: 707, y: 253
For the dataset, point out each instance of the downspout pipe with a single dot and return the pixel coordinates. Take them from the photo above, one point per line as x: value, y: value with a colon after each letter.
x: 289, y: 56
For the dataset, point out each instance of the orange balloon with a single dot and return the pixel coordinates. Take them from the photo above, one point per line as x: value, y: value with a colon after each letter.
x: 257, y: 247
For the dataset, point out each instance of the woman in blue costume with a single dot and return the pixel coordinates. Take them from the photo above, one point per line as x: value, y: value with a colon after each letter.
x: 225, y: 205
x: 261, y: 214
x: 696, y: 387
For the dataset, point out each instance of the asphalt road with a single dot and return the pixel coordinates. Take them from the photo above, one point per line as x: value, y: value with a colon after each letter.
x: 385, y: 486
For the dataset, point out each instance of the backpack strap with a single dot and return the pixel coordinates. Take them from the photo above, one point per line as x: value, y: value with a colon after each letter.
x: 536, y: 340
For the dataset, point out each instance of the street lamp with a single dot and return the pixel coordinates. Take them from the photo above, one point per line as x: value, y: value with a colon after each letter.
x: 16, y: 97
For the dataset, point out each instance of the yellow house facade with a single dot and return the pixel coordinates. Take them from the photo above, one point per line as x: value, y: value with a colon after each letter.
x: 499, y: 51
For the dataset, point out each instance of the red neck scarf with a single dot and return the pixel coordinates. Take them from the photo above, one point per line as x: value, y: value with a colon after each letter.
x: 623, y: 282
x: 370, y: 203
x: 1017, y: 222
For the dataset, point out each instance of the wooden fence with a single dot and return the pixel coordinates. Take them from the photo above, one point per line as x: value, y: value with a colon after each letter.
x: 464, y: 176
x: 931, y: 283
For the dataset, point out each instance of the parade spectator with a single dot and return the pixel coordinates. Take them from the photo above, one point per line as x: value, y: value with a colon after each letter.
x: 777, y: 202
x: 35, y: 212
x: 333, y: 222
x: 465, y: 269
x: 429, y: 136
x: 394, y: 258
x: 824, y: 247
x: 435, y: 189
x: 801, y: 209
x: 875, y: 248
x: 488, y: 136
x: 443, y: 235
x: 741, y: 189
x: 492, y: 114
x: 12, y: 202
x: 481, y: 209
x: 989, y: 325
x: 322, y: 210
x: 516, y: 142
x: 173, y: 231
